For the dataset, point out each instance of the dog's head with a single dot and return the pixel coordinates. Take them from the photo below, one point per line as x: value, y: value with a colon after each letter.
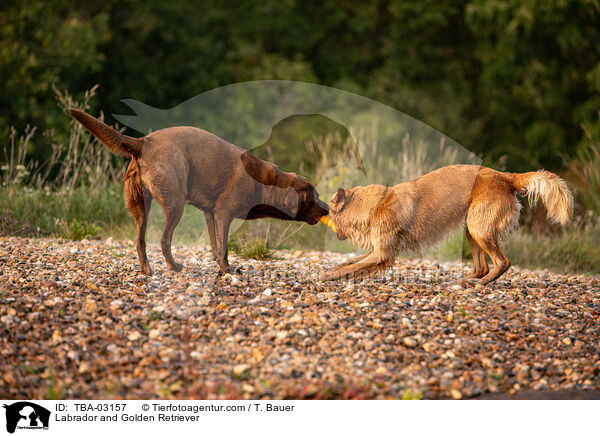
x: 290, y: 196
x: 354, y: 210
x: 338, y: 203
x: 310, y: 207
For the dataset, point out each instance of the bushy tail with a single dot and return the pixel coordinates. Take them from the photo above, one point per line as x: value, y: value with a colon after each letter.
x: 115, y: 141
x: 551, y: 189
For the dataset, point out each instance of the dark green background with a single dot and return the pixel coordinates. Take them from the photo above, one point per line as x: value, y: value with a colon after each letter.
x: 503, y: 78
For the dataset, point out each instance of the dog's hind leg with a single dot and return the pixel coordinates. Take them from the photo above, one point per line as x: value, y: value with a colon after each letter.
x: 489, y: 218
x: 138, y: 201
x: 141, y: 242
x: 480, y: 266
x: 172, y: 217
x: 501, y: 263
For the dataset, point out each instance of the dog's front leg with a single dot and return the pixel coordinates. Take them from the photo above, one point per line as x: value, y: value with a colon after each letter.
x: 210, y: 227
x: 371, y: 262
x: 352, y: 261
x: 222, y: 221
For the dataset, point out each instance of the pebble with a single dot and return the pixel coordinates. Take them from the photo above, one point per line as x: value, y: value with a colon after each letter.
x: 456, y: 394
x: 116, y: 304
x: 409, y: 342
x: 296, y: 318
x: 134, y: 336
x: 240, y: 369
x: 90, y: 305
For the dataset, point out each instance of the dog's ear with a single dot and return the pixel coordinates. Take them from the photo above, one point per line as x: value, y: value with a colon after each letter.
x: 339, y: 200
x: 261, y: 171
x: 340, y: 196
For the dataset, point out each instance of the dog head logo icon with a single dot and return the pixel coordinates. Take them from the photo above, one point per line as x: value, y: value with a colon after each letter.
x: 26, y: 415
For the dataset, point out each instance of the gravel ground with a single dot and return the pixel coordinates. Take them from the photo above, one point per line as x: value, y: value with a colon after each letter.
x: 77, y: 320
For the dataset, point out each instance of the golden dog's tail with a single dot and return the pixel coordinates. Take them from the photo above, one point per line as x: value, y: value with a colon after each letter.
x: 551, y: 189
x: 115, y: 141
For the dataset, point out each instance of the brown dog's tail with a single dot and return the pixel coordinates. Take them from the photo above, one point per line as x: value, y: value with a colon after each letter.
x: 551, y: 189
x: 117, y: 142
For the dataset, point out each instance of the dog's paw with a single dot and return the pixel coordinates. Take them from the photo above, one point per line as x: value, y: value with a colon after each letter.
x: 468, y: 282
x: 226, y: 270
x: 147, y: 271
x: 175, y: 267
x: 327, y: 276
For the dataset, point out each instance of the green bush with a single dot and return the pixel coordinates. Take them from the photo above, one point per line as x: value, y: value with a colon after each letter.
x: 258, y: 249
x: 77, y: 231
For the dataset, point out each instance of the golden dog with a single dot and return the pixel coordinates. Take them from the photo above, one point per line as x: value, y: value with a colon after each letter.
x: 412, y: 215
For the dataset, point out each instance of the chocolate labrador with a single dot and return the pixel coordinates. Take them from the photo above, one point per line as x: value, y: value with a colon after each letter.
x: 180, y: 165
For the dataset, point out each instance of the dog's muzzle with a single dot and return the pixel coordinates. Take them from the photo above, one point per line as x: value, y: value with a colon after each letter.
x: 316, y: 210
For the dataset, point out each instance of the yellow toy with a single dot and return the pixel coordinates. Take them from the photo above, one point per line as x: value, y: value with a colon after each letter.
x: 328, y: 222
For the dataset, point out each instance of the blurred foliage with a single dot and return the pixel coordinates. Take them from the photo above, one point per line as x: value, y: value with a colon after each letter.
x: 41, y: 44
x: 584, y: 171
x: 502, y: 77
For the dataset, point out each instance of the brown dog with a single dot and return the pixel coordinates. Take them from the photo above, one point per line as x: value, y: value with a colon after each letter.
x: 180, y: 165
x: 412, y: 215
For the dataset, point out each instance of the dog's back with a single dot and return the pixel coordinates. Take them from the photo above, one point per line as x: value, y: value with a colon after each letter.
x: 439, y: 203
x: 410, y: 215
x: 188, y: 155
